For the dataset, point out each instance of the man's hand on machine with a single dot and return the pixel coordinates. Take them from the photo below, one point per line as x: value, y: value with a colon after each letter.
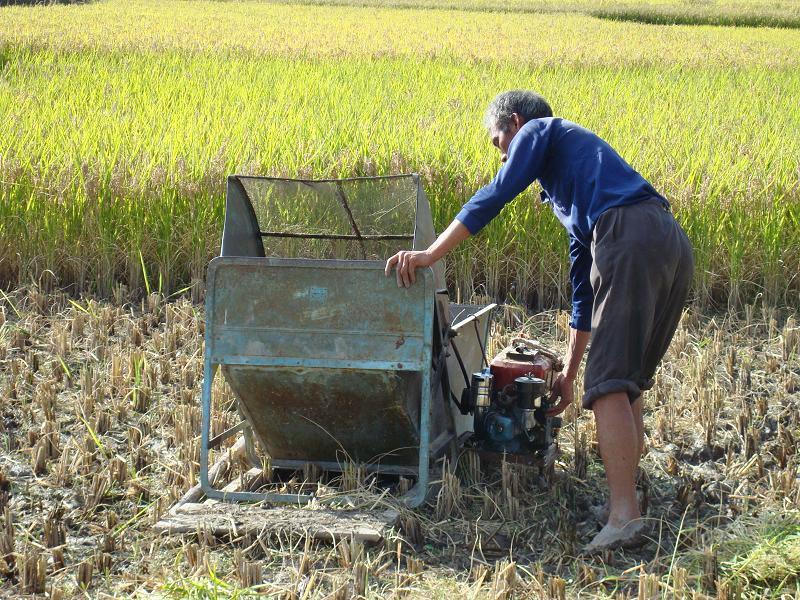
x: 405, y: 263
x: 563, y: 387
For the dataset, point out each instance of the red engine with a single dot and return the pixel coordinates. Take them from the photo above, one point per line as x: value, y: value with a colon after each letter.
x: 510, y: 399
x: 524, y: 357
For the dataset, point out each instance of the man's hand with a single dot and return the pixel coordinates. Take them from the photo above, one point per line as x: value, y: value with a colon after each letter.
x: 406, y: 262
x: 563, y: 387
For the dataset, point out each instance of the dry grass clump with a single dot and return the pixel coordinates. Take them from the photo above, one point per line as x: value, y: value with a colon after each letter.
x: 99, y: 435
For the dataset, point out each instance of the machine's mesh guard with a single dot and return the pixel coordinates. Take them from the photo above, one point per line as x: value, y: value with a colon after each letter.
x: 376, y: 216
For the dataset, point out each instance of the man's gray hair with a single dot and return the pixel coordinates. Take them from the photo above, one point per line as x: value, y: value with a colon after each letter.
x: 528, y: 105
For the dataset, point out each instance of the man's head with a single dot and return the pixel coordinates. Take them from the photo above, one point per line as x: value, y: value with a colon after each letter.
x: 511, y: 110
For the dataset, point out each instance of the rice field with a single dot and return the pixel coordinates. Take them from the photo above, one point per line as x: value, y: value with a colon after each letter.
x: 120, y: 121
x: 118, y: 124
x: 749, y: 13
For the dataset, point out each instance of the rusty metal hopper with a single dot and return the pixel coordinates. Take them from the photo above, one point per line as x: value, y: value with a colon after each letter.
x: 330, y: 361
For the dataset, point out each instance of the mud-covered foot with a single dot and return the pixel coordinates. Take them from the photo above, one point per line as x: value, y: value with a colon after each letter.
x: 631, y: 535
x: 600, y: 512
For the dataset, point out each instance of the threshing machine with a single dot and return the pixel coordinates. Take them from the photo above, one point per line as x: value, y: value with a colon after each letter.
x: 331, y: 362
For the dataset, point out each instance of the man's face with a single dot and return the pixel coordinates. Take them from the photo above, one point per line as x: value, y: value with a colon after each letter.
x: 502, y: 139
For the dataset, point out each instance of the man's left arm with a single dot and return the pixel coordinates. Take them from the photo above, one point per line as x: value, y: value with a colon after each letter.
x: 580, y: 325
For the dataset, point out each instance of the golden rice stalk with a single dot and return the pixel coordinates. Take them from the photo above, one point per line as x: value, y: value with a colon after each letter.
x: 710, y: 574
x: 57, y: 554
x: 504, y: 582
x: 39, y: 458
x: 7, y: 556
x: 360, y: 577
x: 412, y: 529
x: 349, y: 553
x: 449, y: 497
x: 353, y: 476
x: 84, y: 574
x: 54, y: 532
x: 557, y: 588
x: 97, y: 490
x: 248, y: 573
x: 33, y: 571
x: 649, y: 586
x: 103, y: 561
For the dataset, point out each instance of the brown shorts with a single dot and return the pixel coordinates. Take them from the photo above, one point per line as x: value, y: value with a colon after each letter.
x: 641, y: 272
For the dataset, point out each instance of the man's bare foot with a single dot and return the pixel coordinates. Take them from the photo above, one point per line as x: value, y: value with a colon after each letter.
x: 600, y: 512
x: 631, y: 535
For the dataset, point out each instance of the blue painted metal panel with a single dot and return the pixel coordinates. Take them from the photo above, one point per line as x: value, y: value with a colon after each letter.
x: 330, y: 361
x: 316, y: 309
x: 377, y: 365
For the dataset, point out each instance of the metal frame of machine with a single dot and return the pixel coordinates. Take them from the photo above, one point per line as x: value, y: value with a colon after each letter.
x: 221, y: 338
x: 439, y: 423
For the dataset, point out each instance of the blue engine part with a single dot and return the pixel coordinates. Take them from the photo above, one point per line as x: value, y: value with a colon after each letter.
x: 513, y: 420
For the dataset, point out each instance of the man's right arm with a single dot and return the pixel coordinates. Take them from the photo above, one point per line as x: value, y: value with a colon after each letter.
x: 526, y: 157
x: 525, y: 160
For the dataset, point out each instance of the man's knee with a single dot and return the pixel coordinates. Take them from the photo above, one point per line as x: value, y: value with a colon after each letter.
x: 608, y: 387
x: 611, y: 402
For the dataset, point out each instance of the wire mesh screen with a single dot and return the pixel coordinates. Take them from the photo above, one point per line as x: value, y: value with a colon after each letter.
x: 367, y: 219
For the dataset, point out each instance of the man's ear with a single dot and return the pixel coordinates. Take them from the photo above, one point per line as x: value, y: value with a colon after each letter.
x: 516, y: 119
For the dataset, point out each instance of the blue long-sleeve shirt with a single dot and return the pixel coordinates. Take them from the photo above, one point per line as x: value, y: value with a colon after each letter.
x: 581, y: 175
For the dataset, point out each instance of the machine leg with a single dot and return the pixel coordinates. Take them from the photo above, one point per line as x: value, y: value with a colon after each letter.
x: 420, y: 490
x: 205, y: 427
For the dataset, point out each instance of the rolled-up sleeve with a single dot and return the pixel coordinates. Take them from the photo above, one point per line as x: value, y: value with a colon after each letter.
x: 580, y: 258
x: 526, y: 155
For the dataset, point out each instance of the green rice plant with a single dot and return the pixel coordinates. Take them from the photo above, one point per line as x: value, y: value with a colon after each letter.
x: 774, y: 561
x: 114, y: 148
x: 211, y: 587
x: 741, y: 13
x: 719, y: 14
x: 292, y: 31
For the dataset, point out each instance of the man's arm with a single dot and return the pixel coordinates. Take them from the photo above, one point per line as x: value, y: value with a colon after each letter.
x: 580, y: 325
x: 451, y: 237
x: 564, y: 385
x: 525, y: 158
x: 578, y: 340
x: 580, y: 268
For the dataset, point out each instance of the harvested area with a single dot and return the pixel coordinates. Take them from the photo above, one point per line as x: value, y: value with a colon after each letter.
x: 99, y: 431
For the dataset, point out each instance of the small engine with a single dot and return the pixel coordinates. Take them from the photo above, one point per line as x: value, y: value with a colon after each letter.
x: 509, y: 400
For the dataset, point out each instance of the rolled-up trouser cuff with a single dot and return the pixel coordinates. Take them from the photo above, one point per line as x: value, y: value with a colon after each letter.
x: 611, y: 386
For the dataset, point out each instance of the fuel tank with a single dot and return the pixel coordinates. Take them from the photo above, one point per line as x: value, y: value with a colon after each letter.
x: 524, y: 357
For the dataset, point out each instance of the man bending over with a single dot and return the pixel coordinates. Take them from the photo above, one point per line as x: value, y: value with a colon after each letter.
x: 631, y: 267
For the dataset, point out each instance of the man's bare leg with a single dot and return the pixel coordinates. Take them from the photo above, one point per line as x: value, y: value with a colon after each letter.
x: 602, y: 512
x: 620, y: 446
x: 619, y: 438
